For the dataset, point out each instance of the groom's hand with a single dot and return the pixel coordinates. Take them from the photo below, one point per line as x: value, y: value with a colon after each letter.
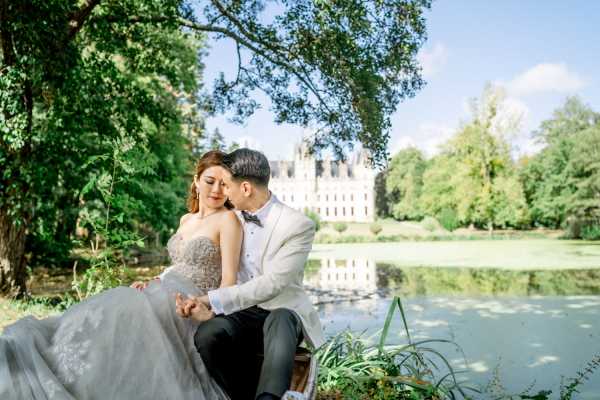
x: 193, y: 307
x: 200, y: 313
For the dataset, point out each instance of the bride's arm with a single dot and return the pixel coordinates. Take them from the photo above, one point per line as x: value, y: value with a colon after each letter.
x: 230, y: 241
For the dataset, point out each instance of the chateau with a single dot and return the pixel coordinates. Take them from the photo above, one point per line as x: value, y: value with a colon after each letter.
x: 336, y: 191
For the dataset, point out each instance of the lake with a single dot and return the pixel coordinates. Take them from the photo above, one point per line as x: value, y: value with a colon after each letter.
x: 524, y: 312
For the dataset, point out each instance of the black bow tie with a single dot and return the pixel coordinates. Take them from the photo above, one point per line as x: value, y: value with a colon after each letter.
x: 251, y: 218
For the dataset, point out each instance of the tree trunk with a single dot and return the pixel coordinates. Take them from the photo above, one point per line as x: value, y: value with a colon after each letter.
x: 13, y: 272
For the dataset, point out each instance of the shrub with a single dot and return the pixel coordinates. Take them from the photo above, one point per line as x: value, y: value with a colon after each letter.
x: 582, y: 228
x: 431, y: 224
x: 449, y: 219
x: 340, y: 227
x: 315, y: 218
x: 375, y: 228
x: 590, y: 232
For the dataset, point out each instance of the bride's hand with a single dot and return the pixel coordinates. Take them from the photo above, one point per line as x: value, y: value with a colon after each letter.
x: 139, y: 285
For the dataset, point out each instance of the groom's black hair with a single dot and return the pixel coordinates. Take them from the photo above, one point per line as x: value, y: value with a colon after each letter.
x: 248, y: 165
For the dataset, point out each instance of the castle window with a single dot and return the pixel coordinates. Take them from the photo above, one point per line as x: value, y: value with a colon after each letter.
x: 365, y: 196
x: 318, y: 197
x: 351, y: 197
x: 335, y: 197
x: 366, y: 211
x: 352, y: 211
x: 326, y: 197
x: 343, y: 197
x: 367, y: 276
x: 319, y: 210
x: 335, y: 211
x: 344, y: 211
x: 292, y: 198
x: 327, y: 211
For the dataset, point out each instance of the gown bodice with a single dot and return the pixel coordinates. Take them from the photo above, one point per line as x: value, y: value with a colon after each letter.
x: 198, y: 259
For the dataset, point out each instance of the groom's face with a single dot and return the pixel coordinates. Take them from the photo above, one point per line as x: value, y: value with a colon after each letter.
x: 236, y: 192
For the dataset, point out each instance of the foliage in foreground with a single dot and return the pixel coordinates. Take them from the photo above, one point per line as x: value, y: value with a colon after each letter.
x: 352, y: 367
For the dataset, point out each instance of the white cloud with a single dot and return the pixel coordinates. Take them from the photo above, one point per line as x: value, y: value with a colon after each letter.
x: 402, y: 143
x: 428, y: 137
x: 433, y: 59
x: 543, y: 78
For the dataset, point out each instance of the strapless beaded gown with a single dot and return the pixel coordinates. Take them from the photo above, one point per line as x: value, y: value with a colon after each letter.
x: 119, y: 344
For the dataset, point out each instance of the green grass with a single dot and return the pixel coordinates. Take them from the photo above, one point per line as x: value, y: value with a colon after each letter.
x: 526, y: 254
x: 413, y: 230
x: 11, y: 310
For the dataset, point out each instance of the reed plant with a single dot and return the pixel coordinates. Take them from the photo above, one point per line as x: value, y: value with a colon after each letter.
x: 352, y: 366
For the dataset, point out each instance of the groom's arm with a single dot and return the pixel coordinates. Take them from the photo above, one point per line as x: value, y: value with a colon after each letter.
x: 280, y: 271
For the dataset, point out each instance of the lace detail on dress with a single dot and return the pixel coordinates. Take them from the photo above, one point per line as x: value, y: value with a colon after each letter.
x: 198, y: 259
x: 69, y: 347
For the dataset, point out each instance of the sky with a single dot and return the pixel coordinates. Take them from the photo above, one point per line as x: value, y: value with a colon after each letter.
x: 539, y: 52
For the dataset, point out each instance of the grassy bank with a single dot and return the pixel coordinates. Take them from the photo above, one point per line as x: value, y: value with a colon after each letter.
x: 397, y: 231
x: 527, y: 254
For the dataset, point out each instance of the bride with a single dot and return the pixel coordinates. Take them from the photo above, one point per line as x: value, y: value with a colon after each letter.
x: 129, y: 342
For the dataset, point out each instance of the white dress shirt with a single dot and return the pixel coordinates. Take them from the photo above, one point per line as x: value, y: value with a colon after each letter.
x: 250, y: 258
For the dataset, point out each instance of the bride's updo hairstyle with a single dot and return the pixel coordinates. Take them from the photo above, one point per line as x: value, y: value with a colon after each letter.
x: 213, y: 158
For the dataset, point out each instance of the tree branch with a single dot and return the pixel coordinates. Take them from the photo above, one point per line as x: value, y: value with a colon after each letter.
x: 277, y: 59
x: 78, y: 18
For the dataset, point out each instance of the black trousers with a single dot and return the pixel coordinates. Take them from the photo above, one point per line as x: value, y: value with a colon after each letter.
x: 229, y: 345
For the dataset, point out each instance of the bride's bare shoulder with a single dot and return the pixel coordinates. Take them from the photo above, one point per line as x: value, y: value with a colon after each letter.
x: 184, y: 218
x: 230, y: 218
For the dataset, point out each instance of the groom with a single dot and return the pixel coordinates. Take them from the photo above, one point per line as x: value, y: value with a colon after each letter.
x: 268, y: 310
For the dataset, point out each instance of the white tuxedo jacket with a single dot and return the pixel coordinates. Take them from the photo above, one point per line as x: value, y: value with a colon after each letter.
x: 288, y: 240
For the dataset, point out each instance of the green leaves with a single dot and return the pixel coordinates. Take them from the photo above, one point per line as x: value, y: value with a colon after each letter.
x: 95, y: 123
x: 561, y: 181
x: 352, y: 365
x: 404, y: 184
x: 340, y: 67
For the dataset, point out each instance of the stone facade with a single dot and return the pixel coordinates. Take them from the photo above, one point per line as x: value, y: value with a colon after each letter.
x: 337, y: 191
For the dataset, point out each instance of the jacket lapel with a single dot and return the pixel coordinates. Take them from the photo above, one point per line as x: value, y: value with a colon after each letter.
x: 269, y: 225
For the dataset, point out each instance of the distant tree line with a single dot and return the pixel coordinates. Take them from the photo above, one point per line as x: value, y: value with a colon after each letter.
x: 474, y: 180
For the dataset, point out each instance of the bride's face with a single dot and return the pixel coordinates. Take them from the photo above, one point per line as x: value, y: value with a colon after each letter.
x: 210, y: 187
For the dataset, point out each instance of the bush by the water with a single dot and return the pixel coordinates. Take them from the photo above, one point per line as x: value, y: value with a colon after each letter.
x: 340, y: 227
x: 375, y: 228
x: 449, y: 219
x: 430, y: 223
x: 590, y: 232
x: 579, y: 228
x: 315, y: 218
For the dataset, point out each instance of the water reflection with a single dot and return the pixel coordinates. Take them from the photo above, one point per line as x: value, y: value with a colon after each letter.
x: 351, y: 274
x: 364, y: 275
